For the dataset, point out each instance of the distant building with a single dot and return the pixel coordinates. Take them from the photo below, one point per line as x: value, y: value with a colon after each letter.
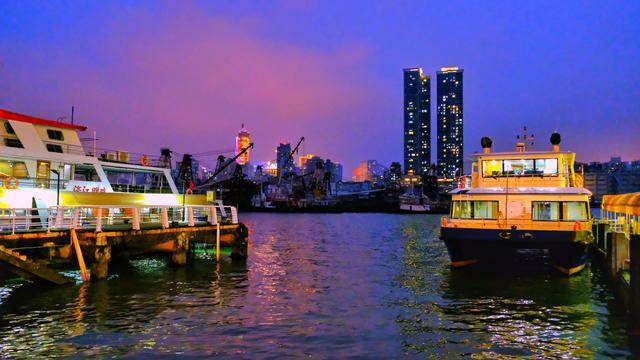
x: 335, y: 169
x: 450, y: 123
x: 417, y: 120
x: 302, y: 160
x: 283, y: 159
x: 612, y: 177
x: 598, y: 183
x: 311, y: 164
x: 369, y: 170
x: 242, y: 141
x: 393, y: 175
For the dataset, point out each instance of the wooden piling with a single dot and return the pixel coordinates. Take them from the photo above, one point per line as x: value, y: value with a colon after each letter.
x: 78, y: 250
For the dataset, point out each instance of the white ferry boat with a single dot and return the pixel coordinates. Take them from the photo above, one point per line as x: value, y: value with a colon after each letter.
x: 520, y: 201
x: 43, y: 163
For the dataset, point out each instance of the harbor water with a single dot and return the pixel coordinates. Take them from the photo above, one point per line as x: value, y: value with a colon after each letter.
x: 325, y: 286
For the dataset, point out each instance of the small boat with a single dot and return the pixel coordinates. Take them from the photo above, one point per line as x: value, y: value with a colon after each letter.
x: 414, y: 203
x: 520, y: 202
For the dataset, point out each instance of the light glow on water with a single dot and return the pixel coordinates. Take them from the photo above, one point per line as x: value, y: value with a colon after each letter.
x: 324, y: 285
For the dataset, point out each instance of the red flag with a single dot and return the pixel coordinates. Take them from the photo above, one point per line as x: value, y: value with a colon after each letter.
x: 192, y: 185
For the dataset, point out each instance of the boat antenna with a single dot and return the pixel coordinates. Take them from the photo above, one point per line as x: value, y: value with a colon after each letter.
x: 525, y: 140
x: 72, y: 111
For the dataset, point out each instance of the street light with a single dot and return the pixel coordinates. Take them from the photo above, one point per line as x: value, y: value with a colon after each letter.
x: 57, y: 186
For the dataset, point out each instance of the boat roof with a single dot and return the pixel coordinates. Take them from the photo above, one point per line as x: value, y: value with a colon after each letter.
x: 10, y: 115
x: 523, y: 190
x: 521, y: 153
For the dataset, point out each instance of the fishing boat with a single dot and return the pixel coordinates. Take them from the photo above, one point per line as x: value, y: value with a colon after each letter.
x: 43, y: 163
x: 520, y: 202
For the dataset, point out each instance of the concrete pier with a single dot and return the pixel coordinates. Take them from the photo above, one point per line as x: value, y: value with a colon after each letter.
x: 101, y: 238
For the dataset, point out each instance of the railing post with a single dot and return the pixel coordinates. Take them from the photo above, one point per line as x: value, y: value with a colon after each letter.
x: 13, y: 221
x: 190, y: 218
x: 234, y: 215
x: 136, y: 218
x: 164, y: 218
x: 99, y: 220
x: 213, y: 215
x: 76, y: 218
x: 59, y: 216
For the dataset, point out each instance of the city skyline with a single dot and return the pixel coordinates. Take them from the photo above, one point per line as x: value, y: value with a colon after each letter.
x: 137, y: 69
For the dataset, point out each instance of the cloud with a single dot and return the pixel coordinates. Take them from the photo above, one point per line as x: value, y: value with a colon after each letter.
x: 188, y: 79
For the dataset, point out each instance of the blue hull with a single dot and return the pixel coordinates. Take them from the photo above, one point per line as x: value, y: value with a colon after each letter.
x: 567, y: 250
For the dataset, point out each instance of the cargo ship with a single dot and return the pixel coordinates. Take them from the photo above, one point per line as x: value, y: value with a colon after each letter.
x: 520, y: 202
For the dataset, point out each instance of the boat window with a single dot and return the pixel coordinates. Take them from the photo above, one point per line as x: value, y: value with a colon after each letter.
x: 545, y: 210
x: 485, y: 210
x: 518, y: 167
x: 16, y: 169
x: 85, y: 172
x: 461, y: 210
x: 547, y: 166
x: 134, y: 180
x: 14, y: 143
x: 492, y: 168
x: 54, y: 148
x: 55, y: 134
x: 574, y: 210
x: 8, y: 128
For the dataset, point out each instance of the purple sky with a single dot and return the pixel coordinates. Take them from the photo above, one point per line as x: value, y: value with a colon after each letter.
x: 186, y: 75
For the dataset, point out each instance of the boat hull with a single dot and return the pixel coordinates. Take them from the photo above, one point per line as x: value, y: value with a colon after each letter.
x: 567, y: 250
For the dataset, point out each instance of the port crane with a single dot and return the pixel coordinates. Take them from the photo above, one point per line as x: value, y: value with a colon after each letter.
x: 210, y: 180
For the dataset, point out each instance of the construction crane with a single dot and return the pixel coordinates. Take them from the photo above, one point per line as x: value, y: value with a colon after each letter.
x: 290, y: 158
x: 221, y: 168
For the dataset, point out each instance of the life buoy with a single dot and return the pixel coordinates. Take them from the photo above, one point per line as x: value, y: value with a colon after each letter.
x: 144, y: 160
x: 189, y: 192
x: 443, y: 222
x: 11, y: 183
x: 577, y: 226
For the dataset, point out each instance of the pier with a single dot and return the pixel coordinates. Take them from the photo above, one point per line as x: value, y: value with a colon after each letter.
x: 33, y: 238
x: 617, y: 248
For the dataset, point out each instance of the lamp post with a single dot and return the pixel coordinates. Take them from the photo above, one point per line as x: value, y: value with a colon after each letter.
x: 57, y: 186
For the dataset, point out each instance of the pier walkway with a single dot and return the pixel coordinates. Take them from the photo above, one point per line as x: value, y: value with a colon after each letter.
x: 30, y: 238
x: 617, y: 247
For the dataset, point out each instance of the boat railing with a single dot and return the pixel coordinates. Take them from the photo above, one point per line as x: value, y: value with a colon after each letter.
x: 502, y: 223
x: 114, y: 217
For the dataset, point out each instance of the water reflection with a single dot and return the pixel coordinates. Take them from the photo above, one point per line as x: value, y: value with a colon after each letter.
x: 504, y: 311
x: 338, y: 285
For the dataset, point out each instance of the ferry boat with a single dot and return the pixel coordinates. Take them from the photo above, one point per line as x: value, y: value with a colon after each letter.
x: 520, y: 202
x: 43, y: 163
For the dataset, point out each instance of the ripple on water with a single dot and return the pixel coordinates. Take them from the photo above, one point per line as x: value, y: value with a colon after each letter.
x: 328, y: 285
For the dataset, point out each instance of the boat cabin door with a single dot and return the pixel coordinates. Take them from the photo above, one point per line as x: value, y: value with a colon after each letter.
x: 516, y: 210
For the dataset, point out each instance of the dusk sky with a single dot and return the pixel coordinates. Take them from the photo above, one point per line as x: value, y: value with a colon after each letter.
x: 148, y: 74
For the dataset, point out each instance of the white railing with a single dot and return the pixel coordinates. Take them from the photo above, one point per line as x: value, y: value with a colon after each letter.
x: 101, y: 217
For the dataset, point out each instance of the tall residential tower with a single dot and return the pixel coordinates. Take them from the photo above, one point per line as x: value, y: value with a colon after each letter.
x: 417, y: 121
x: 450, y: 123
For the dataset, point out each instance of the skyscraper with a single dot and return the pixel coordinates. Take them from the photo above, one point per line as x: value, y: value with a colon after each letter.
x: 450, y: 123
x: 283, y: 159
x: 417, y: 121
x: 242, y: 141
